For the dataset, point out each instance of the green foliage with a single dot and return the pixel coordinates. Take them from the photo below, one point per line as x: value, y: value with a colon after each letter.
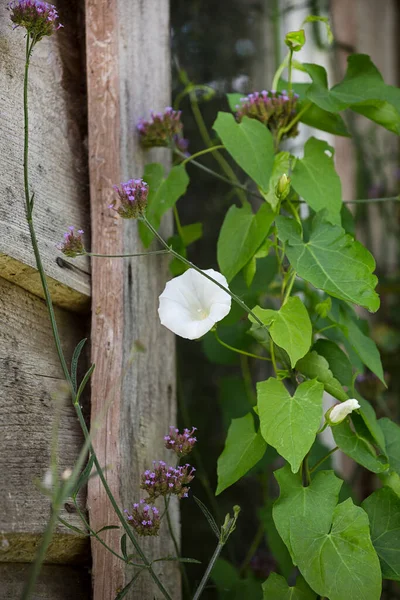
x: 280, y: 167
x: 244, y: 447
x: 241, y: 234
x: 290, y: 327
x: 383, y: 510
x: 250, y: 144
x: 276, y: 588
x: 288, y: 423
x: 331, y: 260
x: 163, y: 194
x: 315, y: 366
x: 334, y: 553
x: 295, y: 40
x: 339, y: 364
x: 358, y: 447
x: 315, y: 179
x: 391, y: 432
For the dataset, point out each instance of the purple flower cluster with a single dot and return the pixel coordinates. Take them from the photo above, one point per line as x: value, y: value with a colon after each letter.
x: 72, y: 245
x: 132, y: 198
x: 144, y: 518
x: 163, y: 129
x: 165, y: 480
x: 181, y: 443
x: 274, y: 109
x: 38, y: 18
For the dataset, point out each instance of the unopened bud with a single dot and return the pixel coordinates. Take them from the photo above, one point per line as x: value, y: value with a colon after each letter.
x: 337, y: 413
x: 282, y: 188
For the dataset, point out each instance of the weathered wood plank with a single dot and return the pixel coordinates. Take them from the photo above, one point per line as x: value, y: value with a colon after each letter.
x: 54, y: 583
x: 58, y: 161
x: 128, y: 75
x: 31, y: 380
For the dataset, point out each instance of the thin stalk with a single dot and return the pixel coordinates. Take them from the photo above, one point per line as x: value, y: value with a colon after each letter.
x: 306, y: 473
x: 210, y: 567
x: 193, y: 266
x: 178, y: 225
x: 279, y: 71
x: 202, y: 152
x: 290, y: 69
x: 289, y: 287
x: 293, y: 122
x: 96, y: 255
x: 272, y: 351
x: 323, y: 459
x: 64, y: 366
x: 176, y: 547
x: 243, y: 352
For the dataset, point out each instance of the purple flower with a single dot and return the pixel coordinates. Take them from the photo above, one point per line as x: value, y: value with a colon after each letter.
x: 273, y: 109
x: 167, y: 480
x: 132, y: 198
x: 163, y: 129
x: 145, y: 519
x: 72, y: 245
x: 180, y: 443
x: 38, y: 18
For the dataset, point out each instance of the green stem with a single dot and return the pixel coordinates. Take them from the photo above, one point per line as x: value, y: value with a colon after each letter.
x: 96, y: 255
x: 238, y: 350
x: 57, y: 340
x: 210, y: 567
x: 279, y: 71
x: 178, y: 225
x: 306, y: 472
x: 272, y: 351
x: 193, y: 266
x: 289, y: 287
x: 293, y: 122
x: 176, y: 547
x: 202, y: 152
x: 290, y: 71
x: 323, y: 459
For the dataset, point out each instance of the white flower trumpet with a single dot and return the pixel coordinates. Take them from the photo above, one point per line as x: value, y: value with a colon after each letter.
x: 191, y: 304
x: 339, y: 412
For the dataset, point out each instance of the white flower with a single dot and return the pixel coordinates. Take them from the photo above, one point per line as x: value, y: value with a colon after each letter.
x: 339, y: 412
x: 191, y: 304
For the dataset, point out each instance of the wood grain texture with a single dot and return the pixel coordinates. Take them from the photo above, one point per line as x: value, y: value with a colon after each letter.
x: 128, y: 75
x: 31, y: 388
x: 54, y: 583
x: 58, y: 161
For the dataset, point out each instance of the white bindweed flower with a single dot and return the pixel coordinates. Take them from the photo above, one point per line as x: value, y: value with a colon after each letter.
x: 339, y: 412
x: 191, y: 304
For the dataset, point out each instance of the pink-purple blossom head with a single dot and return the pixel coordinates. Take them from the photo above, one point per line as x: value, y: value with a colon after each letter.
x: 144, y: 518
x: 181, y: 443
x: 72, y: 244
x: 163, y: 129
x: 132, y: 197
x: 274, y: 109
x: 163, y: 480
x: 37, y: 17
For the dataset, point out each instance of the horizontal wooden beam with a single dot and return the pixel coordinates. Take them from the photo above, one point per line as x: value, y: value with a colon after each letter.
x: 54, y: 583
x: 57, y: 159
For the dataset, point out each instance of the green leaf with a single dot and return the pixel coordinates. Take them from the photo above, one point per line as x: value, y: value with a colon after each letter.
x: 315, y: 179
x: 362, y: 89
x: 295, y: 40
x: 315, y: 366
x: 234, y: 101
x: 391, y: 431
x: 280, y: 167
x: 250, y: 144
x: 290, y: 327
x: 208, y: 516
x: 123, y: 546
x: 288, y: 423
x: 244, y: 447
x: 321, y: 119
x: 325, y: 20
x: 75, y: 360
x: 371, y: 422
x: 163, y: 194
x: 363, y: 345
x: 358, y: 448
x: 276, y: 588
x: 331, y: 260
x: 383, y: 510
x: 335, y: 555
x: 191, y: 233
x: 338, y: 361
x: 241, y: 234
x: 315, y: 501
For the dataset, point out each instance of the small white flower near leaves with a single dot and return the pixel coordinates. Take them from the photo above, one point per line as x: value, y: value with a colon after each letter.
x: 191, y: 304
x: 339, y: 412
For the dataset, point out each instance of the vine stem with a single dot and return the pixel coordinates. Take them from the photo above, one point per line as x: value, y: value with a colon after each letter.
x: 323, y: 459
x: 176, y: 546
x: 96, y: 255
x: 196, y: 268
x: 202, y: 152
x: 207, y: 573
x: 75, y: 399
x: 243, y: 352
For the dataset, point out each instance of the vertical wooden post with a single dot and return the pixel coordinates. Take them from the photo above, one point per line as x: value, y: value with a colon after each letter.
x: 128, y: 66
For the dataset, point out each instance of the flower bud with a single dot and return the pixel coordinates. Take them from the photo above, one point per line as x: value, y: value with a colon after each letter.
x: 180, y: 443
x: 38, y: 18
x: 165, y: 480
x: 73, y: 244
x: 337, y: 413
x: 145, y: 518
x: 163, y: 129
x: 282, y: 188
x: 132, y: 198
x: 274, y: 109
